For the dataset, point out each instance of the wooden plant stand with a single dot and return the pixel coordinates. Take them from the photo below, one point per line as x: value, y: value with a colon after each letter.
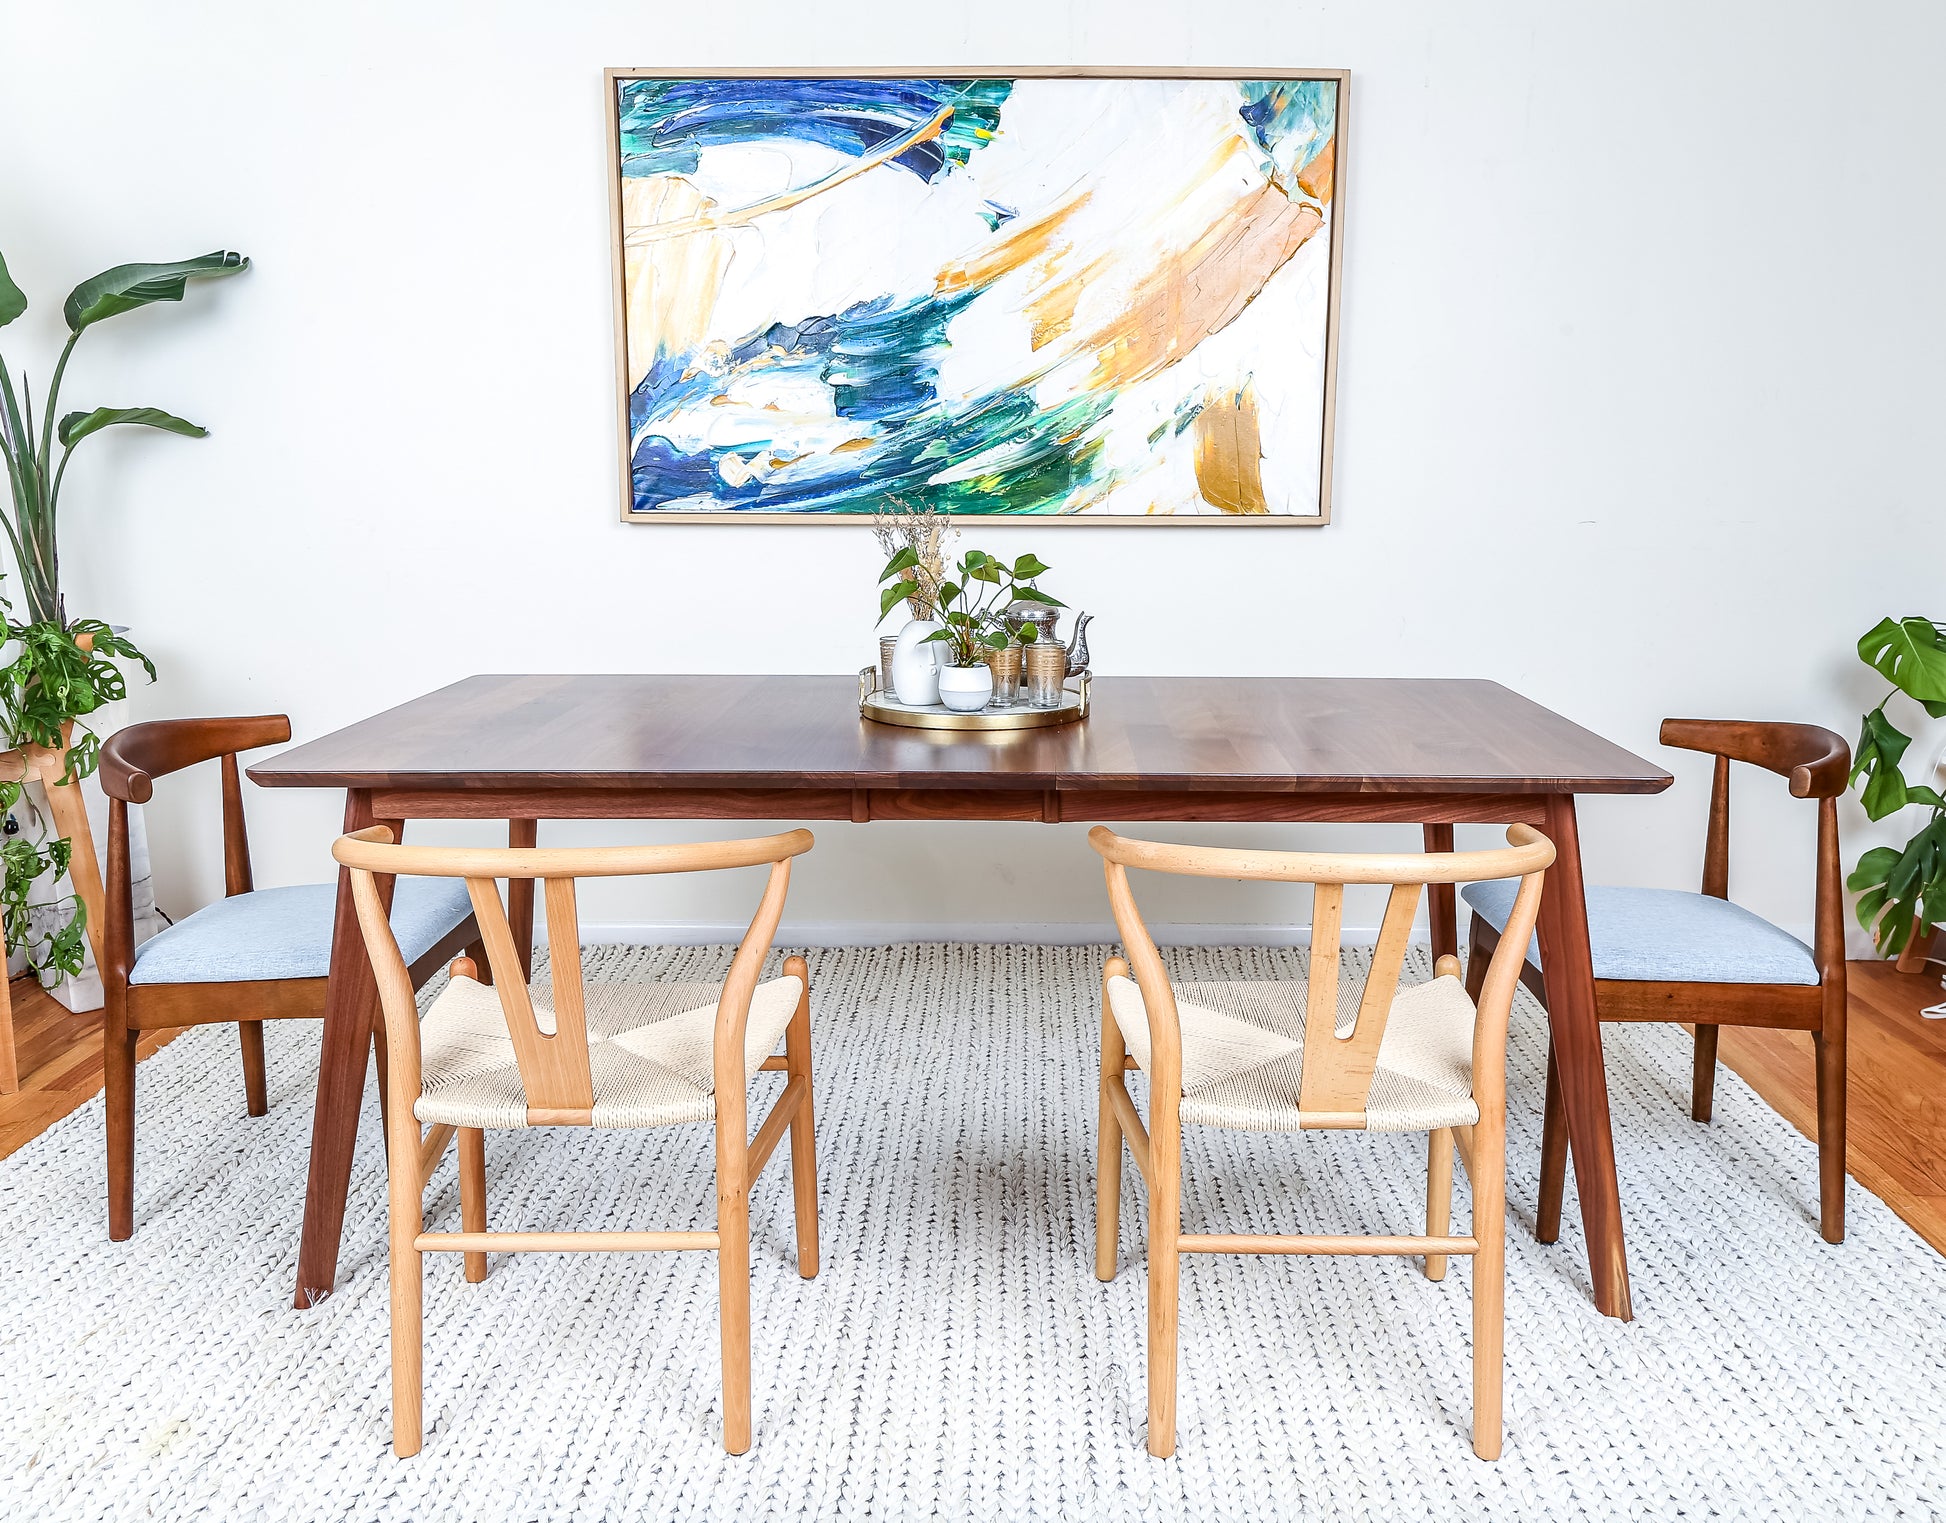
x: 46, y: 765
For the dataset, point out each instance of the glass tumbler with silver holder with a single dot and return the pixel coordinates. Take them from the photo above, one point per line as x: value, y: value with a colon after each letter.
x: 1047, y: 673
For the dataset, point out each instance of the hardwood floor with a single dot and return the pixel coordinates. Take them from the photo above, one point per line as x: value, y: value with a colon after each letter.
x: 59, y: 1054
x: 1896, y: 1121
x: 1897, y: 1148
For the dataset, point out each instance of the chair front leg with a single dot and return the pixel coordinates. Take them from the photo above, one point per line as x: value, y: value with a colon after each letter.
x: 733, y: 1285
x: 1554, y: 1158
x: 804, y: 1148
x: 1108, y: 1133
x: 118, y: 1094
x: 406, y: 1220
x: 1487, y: 1173
x: 1165, y: 1261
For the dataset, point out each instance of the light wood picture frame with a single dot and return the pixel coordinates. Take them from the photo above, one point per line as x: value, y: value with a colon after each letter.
x: 1066, y: 295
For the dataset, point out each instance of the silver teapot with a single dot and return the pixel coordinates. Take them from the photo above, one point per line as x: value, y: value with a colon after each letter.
x: 1023, y: 612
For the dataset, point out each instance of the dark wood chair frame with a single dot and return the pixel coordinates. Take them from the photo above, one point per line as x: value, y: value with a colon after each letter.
x: 1818, y: 764
x: 131, y: 760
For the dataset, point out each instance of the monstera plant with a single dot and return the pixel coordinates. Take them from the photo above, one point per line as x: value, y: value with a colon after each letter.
x: 1902, y: 890
x: 59, y: 670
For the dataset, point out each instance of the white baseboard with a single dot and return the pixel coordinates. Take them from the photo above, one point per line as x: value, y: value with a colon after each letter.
x: 852, y: 933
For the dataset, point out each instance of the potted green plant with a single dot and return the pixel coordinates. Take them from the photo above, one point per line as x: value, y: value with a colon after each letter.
x: 61, y: 670
x: 1902, y: 890
x: 968, y: 607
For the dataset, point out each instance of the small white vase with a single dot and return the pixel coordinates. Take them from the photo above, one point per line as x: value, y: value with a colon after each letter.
x: 965, y: 689
x: 915, y: 664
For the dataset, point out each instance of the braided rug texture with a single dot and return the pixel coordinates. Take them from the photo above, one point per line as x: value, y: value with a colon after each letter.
x: 955, y: 1357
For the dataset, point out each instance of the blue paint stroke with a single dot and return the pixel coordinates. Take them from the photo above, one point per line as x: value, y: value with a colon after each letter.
x: 1291, y: 120
x: 667, y: 123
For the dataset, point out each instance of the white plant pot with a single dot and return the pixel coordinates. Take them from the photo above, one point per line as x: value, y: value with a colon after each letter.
x: 915, y: 664
x: 965, y: 689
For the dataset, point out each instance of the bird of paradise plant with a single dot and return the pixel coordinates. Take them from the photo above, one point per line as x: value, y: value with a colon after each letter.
x: 62, y: 670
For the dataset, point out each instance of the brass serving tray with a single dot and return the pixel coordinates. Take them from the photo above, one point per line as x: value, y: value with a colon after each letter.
x: 882, y: 708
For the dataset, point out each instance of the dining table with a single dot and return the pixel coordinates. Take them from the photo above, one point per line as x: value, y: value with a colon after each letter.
x: 1432, y: 752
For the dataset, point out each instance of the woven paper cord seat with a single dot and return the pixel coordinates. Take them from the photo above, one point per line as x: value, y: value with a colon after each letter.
x: 649, y: 1051
x: 1243, y: 1053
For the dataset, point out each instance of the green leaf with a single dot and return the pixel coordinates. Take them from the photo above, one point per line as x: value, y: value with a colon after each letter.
x: 994, y: 640
x: 905, y: 560
x: 890, y: 597
x: 1880, y: 745
x: 1919, y: 793
x: 1035, y: 595
x: 129, y: 286
x: 76, y: 426
x: 13, y: 300
x: 1910, y: 653
x: 1899, y: 887
x: 1028, y: 567
x: 1873, y: 868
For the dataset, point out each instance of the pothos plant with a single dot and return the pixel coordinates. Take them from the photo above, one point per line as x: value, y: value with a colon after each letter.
x: 969, y: 605
x: 1903, y: 888
x: 61, y: 670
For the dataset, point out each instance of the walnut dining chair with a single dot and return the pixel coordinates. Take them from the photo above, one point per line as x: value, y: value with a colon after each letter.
x: 1668, y: 955
x: 255, y: 955
x: 564, y: 1052
x: 1285, y: 1056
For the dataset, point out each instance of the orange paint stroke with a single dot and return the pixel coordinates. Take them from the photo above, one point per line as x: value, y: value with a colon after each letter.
x: 1230, y: 452
x: 1020, y: 245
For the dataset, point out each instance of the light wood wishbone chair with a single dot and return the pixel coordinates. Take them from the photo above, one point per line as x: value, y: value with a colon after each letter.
x: 618, y: 1055
x: 1283, y: 1056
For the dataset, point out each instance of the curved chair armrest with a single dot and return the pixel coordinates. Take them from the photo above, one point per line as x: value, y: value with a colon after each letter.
x: 1817, y: 762
x: 132, y: 759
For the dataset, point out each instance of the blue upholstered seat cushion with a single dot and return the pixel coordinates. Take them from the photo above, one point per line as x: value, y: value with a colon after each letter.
x: 286, y: 933
x: 1663, y: 935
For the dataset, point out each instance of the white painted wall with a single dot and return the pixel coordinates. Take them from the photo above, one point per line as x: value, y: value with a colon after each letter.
x: 1639, y: 399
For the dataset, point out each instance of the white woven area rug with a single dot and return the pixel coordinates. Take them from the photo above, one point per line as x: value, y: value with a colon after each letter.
x: 956, y: 1357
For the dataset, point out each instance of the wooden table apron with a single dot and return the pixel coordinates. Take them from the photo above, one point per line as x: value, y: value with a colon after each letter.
x: 383, y: 792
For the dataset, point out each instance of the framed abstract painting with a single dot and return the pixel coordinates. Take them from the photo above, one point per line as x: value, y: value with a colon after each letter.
x: 1109, y: 296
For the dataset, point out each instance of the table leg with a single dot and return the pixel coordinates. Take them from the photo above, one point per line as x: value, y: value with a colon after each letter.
x: 350, y: 1003
x: 520, y: 896
x: 1568, y: 967
x: 1442, y: 900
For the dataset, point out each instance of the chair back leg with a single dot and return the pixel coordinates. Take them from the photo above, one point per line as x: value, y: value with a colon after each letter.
x: 1702, y: 1084
x: 1830, y: 1050
x: 1108, y: 1135
x: 472, y: 1195
x: 804, y: 1147
x: 1439, y: 1195
x: 256, y: 1096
